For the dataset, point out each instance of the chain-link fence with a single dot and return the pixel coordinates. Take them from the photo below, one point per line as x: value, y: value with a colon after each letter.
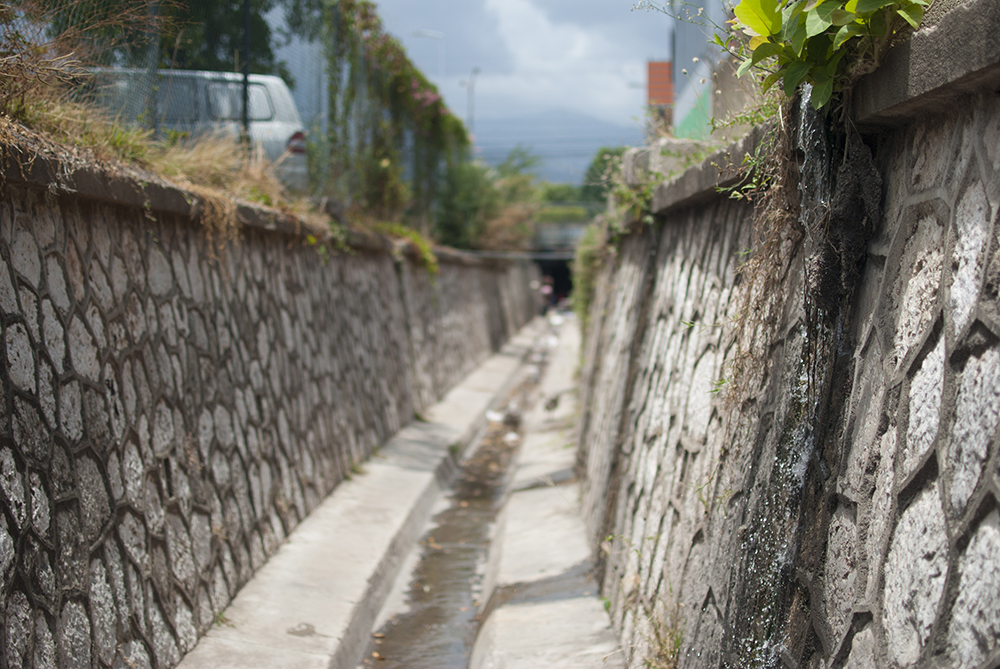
x: 188, y: 105
x: 179, y: 101
x: 385, y: 134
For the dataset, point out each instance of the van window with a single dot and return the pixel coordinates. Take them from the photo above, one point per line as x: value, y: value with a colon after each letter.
x: 221, y: 102
x: 226, y: 102
x: 176, y: 99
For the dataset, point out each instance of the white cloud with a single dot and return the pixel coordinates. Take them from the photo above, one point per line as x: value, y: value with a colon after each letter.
x: 559, y: 65
x: 539, y: 44
x: 584, y: 56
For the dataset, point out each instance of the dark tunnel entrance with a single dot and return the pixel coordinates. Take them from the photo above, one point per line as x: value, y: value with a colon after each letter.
x: 562, y: 276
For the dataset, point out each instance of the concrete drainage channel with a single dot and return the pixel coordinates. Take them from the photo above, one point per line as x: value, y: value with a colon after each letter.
x: 317, y: 601
x: 502, y: 575
x: 313, y: 604
x: 432, y: 617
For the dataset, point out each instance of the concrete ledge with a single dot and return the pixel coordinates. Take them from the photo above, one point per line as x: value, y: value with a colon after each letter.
x: 958, y: 54
x: 132, y: 187
x: 702, y: 181
x: 313, y: 603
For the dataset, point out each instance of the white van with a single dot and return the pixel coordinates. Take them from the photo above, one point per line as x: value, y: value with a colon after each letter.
x: 196, y: 103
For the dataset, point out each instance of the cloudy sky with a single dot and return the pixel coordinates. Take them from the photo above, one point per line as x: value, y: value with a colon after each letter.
x: 535, y: 56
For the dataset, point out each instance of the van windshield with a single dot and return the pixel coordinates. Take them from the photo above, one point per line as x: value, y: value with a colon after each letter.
x: 225, y: 101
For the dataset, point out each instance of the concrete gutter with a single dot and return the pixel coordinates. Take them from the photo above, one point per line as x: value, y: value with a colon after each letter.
x: 314, y: 602
x: 544, y: 607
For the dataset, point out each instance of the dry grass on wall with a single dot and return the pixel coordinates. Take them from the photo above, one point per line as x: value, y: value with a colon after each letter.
x: 39, y: 116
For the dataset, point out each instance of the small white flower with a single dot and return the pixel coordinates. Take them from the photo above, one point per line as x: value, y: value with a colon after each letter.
x: 695, y: 59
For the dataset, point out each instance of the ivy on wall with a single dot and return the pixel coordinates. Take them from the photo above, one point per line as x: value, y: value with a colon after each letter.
x: 389, y: 131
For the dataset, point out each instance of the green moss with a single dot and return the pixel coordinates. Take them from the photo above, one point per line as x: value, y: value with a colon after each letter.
x: 428, y: 258
x: 586, y: 265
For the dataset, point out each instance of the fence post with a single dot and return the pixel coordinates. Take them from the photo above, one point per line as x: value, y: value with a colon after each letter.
x: 246, y: 72
x: 152, y: 58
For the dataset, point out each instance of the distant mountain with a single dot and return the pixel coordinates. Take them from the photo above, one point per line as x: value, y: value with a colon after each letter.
x: 565, y: 141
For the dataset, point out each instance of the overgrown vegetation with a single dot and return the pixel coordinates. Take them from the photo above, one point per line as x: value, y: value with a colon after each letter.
x: 826, y: 43
x: 427, y: 257
x: 587, y: 262
x: 829, y: 45
x: 821, y: 47
x: 49, y: 44
x: 394, y: 157
x: 40, y: 114
x: 485, y: 207
x: 389, y: 131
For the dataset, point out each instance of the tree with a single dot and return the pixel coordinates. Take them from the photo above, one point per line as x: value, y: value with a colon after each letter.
x: 596, y: 179
x: 488, y: 208
x: 192, y: 34
x: 468, y: 199
x: 208, y: 35
x: 560, y: 193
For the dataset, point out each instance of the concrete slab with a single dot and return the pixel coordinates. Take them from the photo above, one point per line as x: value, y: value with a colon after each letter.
x: 548, y: 453
x: 546, y: 458
x: 541, y: 535
x: 564, y: 634
x: 313, y: 603
x: 544, y: 609
x: 565, y: 358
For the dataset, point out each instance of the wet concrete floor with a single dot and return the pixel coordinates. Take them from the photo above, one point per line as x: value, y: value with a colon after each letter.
x: 439, y: 628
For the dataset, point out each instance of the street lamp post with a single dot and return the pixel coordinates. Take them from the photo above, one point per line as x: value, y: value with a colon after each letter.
x: 439, y: 36
x: 246, y: 72
x: 470, y: 88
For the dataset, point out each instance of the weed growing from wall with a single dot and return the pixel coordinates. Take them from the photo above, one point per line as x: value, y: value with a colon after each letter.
x: 665, y: 643
x: 826, y: 43
x: 587, y: 262
x: 659, y: 643
x: 770, y: 185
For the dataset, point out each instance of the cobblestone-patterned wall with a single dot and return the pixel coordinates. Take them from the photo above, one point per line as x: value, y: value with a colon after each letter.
x: 168, y: 413
x: 751, y: 538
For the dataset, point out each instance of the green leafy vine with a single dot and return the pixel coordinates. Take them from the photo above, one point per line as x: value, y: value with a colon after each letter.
x: 389, y: 131
x: 826, y: 43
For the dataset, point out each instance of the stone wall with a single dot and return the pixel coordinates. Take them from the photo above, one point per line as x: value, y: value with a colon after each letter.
x: 856, y: 529
x: 170, y: 409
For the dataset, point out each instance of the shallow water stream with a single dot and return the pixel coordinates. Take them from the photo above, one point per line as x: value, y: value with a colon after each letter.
x: 439, y: 628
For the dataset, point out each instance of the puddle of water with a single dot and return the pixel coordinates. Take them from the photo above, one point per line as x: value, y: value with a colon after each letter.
x: 440, y: 626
